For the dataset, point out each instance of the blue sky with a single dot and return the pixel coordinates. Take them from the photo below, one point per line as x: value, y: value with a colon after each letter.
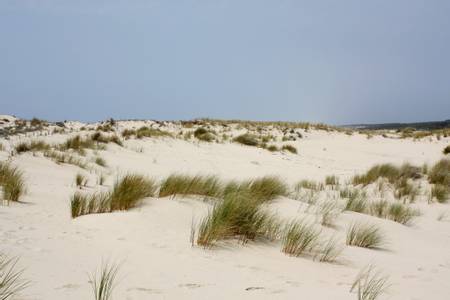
x: 337, y: 62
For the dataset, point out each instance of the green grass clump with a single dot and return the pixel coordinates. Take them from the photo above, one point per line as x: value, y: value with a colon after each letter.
x: 401, y: 213
x: 178, y: 184
x: 440, y: 192
x: 127, y: 193
x: 12, y: 181
x: 130, y: 190
x: 151, y: 132
x: 357, y: 203
x: 204, y: 134
x: 32, y: 146
x: 332, y: 180
x: 105, y: 139
x: 100, y: 161
x: 446, y: 150
x: 299, y: 238
x: 80, y: 180
x: 369, y: 284
x: 103, y: 284
x: 77, y: 143
x: 309, y: 184
x: 262, y: 189
x: 238, y: 215
x: 364, y: 235
x: 404, y: 189
x: 247, y: 139
x: 272, y: 148
x: 440, y: 173
x: 289, y: 148
x: 11, y: 283
x: 388, y: 171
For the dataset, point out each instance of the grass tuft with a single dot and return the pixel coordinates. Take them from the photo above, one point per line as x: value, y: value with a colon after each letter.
x: 103, y: 284
x: 289, y: 148
x: 247, y: 139
x: 299, y: 238
x: 365, y: 236
x: 126, y: 194
x: 177, y: 184
x: 12, y: 181
x: 238, y: 215
x: 369, y: 284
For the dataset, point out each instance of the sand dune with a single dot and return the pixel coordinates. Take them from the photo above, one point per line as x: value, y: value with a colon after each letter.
x: 152, y: 242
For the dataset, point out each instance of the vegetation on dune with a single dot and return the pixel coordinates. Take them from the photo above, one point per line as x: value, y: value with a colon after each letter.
x: 299, y: 237
x: 239, y: 216
x: 365, y: 236
x: 32, y: 146
x: 80, y: 180
x: 12, y: 182
x: 262, y: 189
x: 126, y: 194
x: 103, y: 283
x: 247, y: 139
x: 440, y: 172
x: 369, y: 284
x: 446, y: 150
x: 144, y: 132
x: 289, y: 148
x: 385, y: 170
x: 440, y: 192
x: 331, y: 180
x: 209, y: 186
x: 204, y: 134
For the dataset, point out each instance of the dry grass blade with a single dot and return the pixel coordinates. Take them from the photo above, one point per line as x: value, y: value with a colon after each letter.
x: 370, y: 284
x: 11, y: 283
x: 103, y: 284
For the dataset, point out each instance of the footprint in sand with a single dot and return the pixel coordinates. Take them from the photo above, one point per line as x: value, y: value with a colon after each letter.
x: 145, y: 290
x: 68, y: 286
x: 190, y: 285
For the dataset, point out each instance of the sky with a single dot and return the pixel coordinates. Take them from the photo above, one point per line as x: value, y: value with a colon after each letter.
x: 335, y: 61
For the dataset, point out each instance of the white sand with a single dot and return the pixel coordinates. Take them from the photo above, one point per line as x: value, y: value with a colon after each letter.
x: 152, y: 242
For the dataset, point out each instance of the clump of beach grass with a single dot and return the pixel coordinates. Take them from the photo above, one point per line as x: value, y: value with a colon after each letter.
x: 247, y: 139
x: 204, y: 134
x: 239, y: 216
x: 299, y: 238
x: 272, y: 148
x: 369, y: 284
x: 12, y: 181
x: 440, y: 192
x: 80, y: 180
x: 332, y: 180
x: 440, y: 173
x: 126, y: 194
x: 11, y: 282
x: 289, y: 148
x: 100, y: 161
x: 179, y: 184
x: 446, y: 150
x: 328, y: 251
x: 357, y: 203
x: 388, y: 171
x: 364, y: 235
x: 103, y: 283
x: 262, y: 189
x: 401, y: 213
x: 328, y: 211
x: 32, y: 146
